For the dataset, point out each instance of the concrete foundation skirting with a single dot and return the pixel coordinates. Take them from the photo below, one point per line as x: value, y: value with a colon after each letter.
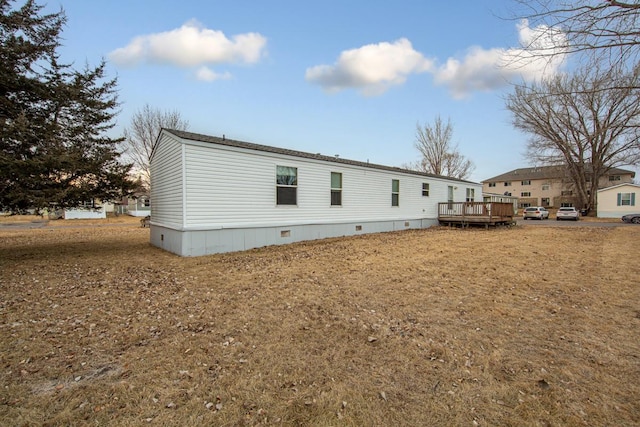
x: 206, y: 242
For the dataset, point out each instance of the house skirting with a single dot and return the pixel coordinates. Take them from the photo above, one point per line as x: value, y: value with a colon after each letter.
x: 219, y: 240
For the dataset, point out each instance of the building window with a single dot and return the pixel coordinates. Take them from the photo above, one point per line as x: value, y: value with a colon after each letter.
x: 336, y: 189
x: 525, y: 205
x: 545, y: 187
x: 145, y: 202
x: 525, y: 182
x: 525, y: 194
x: 286, y: 185
x: 471, y: 192
x: 492, y: 184
x: 626, y: 199
x: 425, y: 189
x: 566, y: 205
x: 395, y: 192
x: 507, y: 183
x: 545, y: 201
x: 614, y: 177
x: 566, y: 193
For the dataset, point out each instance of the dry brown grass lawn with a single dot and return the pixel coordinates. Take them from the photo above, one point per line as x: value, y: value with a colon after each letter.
x: 519, y: 326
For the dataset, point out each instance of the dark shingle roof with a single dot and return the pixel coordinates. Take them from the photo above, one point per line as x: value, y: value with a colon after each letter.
x: 266, y: 148
x: 544, y: 172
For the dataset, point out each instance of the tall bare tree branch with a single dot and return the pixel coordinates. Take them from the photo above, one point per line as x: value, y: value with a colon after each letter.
x: 573, y: 122
x: 142, y: 132
x: 439, y: 155
x: 604, y: 30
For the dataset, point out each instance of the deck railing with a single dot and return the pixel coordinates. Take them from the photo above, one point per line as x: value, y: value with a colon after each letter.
x: 475, y: 209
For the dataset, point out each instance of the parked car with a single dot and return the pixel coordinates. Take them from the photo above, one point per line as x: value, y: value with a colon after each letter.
x: 535, y: 212
x: 567, y: 213
x: 634, y: 218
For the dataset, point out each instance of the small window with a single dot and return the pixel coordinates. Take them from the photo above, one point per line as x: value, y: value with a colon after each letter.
x: 545, y: 187
x: 525, y: 194
x: 395, y: 192
x: 566, y: 193
x: 525, y: 205
x: 614, y: 177
x: 286, y: 185
x: 525, y: 182
x: 626, y: 199
x: 566, y: 205
x: 507, y: 183
x: 425, y: 189
x: 471, y: 193
x: 492, y: 184
x: 336, y: 189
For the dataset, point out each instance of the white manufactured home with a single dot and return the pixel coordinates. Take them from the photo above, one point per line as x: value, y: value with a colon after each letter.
x: 212, y: 195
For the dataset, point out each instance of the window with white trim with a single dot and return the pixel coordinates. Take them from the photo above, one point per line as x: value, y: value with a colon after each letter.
x: 471, y: 193
x: 425, y: 189
x: 395, y: 192
x: 525, y: 194
x: 525, y: 182
x: 336, y: 189
x: 286, y: 185
x: 626, y: 199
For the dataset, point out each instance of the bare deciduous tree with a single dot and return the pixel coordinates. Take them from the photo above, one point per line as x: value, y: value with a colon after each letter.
x: 439, y: 155
x: 604, y: 30
x: 574, y: 123
x: 141, y: 135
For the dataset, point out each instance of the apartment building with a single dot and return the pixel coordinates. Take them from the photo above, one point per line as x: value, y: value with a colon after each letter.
x: 546, y: 185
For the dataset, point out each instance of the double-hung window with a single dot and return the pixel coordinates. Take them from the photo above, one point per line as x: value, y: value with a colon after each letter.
x: 395, y: 192
x: 471, y: 194
x: 425, y: 189
x: 336, y: 189
x: 626, y: 199
x: 286, y: 185
x: 525, y: 194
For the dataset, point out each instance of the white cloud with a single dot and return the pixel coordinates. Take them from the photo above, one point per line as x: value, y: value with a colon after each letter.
x: 372, y: 68
x: 206, y: 74
x: 490, y: 69
x: 191, y: 45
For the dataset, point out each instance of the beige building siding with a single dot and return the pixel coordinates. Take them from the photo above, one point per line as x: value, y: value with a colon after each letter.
x: 608, y: 206
x: 542, y: 186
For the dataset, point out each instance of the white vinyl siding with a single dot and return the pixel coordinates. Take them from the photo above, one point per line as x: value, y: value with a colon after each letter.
x: 166, y: 183
x: 235, y: 187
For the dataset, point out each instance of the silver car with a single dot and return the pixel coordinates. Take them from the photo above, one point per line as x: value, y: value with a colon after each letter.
x: 535, y: 212
x: 567, y: 213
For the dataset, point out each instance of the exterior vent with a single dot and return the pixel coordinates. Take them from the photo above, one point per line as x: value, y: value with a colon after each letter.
x: 285, y: 233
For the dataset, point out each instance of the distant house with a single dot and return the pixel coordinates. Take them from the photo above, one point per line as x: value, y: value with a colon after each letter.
x: 90, y: 209
x: 139, y: 205
x: 546, y: 185
x: 613, y: 202
x: 211, y: 195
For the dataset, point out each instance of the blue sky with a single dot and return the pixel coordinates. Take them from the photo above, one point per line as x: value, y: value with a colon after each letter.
x: 351, y: 78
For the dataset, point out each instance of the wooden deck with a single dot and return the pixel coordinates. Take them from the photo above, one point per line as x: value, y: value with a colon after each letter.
x: 475, y: 213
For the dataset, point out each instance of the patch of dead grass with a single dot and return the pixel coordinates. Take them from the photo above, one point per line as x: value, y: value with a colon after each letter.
x: 520, y: 326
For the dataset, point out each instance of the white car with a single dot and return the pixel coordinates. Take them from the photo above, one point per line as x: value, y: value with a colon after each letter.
x: 535, y: 212
x: 567, y: 213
